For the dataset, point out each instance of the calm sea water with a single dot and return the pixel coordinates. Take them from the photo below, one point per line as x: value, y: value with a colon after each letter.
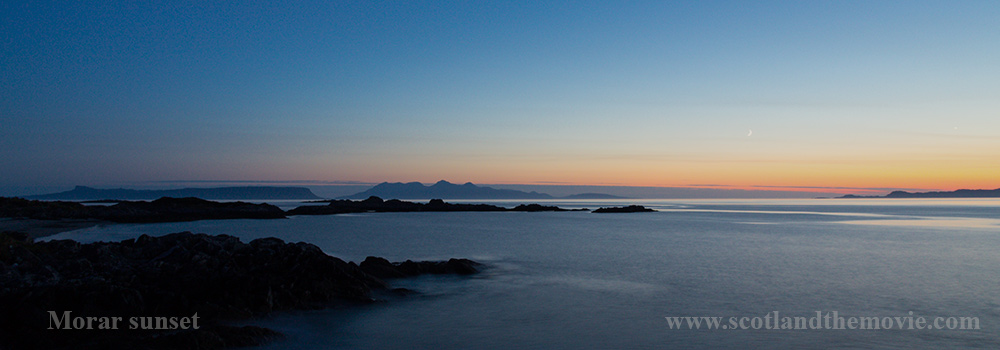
x: 572, y: 280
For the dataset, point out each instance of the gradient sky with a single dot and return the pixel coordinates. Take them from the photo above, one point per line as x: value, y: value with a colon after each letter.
x: 859, y: 94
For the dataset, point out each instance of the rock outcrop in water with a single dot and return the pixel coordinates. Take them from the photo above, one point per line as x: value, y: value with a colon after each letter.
x: 382, y: 268
x: 376, y: 204
x: 628, y: 209
x: 177, y: 275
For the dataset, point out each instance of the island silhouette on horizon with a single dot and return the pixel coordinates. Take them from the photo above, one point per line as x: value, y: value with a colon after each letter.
x: 936, y: 194
x: 447, y: 190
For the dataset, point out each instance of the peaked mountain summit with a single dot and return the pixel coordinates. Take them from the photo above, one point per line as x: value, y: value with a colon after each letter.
x: 444, y: 190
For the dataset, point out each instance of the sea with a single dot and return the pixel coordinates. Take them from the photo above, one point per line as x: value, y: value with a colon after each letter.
x: 906, y: 273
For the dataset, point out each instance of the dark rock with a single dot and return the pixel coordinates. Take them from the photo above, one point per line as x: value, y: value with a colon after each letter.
x: 628, y: 209
x: 382, y: 268
x: 177, y: 275
x: 168, y: 209
x: 536, y: 207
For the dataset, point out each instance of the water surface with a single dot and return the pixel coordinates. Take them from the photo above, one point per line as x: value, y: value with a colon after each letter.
x: 582, y: 280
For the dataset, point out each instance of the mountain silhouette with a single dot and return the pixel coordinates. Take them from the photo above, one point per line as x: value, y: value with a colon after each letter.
x: 444, y: 190
x: 936, y: 194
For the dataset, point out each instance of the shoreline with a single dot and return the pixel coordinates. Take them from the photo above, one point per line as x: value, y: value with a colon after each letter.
x: 38, y: 228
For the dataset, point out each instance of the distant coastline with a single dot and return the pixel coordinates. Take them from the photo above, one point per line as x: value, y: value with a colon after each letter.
x: 936, y: 194
x: 447, y: 190
x: 40, y: 218
x: 84, y: 193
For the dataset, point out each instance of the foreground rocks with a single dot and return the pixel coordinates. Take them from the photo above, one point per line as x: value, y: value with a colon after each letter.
x: 179, y: 275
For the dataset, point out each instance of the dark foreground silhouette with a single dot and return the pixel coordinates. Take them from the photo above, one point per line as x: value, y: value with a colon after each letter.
x: 181, y: 277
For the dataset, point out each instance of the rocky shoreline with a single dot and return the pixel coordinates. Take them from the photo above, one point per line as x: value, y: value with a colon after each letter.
x: 378, y: 205
x: 215, y: 278
x: 168, y: 209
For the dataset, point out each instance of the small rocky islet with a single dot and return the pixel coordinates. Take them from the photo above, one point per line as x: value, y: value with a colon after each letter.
x: 626, y: 209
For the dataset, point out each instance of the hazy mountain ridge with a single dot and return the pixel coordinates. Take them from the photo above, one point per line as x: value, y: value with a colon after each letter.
x: 443, y: 189
x: 216, y: 193
x: 593, y: 196
x: 936, y: 194
x: 447, y: 190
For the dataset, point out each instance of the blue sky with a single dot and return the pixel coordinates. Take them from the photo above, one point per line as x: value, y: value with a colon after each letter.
x: 874, y: 94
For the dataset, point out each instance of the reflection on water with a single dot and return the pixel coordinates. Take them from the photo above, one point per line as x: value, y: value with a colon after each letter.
x: 932, y: 222
x: 580, y: 280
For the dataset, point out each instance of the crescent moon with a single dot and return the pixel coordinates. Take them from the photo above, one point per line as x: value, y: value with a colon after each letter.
x: 751, y: 133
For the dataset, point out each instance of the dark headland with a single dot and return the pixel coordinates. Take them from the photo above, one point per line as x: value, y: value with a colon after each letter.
x: 40, y: 218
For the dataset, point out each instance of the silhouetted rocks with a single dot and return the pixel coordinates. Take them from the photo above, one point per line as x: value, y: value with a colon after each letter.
x: 161, y: 210
x: 382, y: 268
x: 537, y: 207
x: 39, y: 210
x: 628, y: 209
x: 190, y: 209
x: 186, y: 209
x: 377, y: 205
x: 177, y: 275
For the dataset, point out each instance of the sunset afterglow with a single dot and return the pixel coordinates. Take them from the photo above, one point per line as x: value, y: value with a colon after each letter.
x: 850, y: 95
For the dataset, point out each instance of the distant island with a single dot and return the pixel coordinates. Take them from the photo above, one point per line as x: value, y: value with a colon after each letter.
x: 83, y: 193
x: 442, y: 189
x: 40, y: 218
x: 593, y: 196
x: 936, y: 194
x: 447, y: 190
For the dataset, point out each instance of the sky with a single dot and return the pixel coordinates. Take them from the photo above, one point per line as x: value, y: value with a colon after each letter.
x: 845, y: 96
